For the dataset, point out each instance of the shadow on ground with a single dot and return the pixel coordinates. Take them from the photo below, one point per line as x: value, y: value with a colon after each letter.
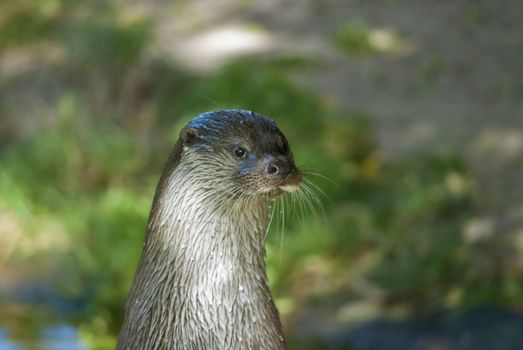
x: 483, y: 328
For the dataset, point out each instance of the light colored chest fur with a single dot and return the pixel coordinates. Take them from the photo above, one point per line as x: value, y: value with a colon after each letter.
x: 201, y: 283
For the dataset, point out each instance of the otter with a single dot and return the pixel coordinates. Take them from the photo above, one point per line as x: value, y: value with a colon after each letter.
x: 201, y: 281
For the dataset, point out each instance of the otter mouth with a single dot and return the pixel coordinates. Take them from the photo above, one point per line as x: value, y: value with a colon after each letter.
x: 274, y: 193
x: 289, y: 188
x: 290, y: 184
x: 282, y: 189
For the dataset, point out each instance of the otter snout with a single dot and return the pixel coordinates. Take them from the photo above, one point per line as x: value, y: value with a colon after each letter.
x: 283, y: 173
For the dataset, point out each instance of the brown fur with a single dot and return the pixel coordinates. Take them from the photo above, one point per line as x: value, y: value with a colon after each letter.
x: 201, y: 281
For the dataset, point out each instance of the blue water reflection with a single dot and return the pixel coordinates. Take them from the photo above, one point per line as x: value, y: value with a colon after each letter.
x: 56, y: 337
x: 61, y: 337
x: 6, y: 344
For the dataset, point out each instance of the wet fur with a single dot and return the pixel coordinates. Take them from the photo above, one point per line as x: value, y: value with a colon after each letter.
x: 201, y: 282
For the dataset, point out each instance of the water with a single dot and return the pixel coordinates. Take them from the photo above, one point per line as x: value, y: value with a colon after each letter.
x: 61, y: 337
x: 34, y: 316
x: 55, y: 337
x: 6, y: 344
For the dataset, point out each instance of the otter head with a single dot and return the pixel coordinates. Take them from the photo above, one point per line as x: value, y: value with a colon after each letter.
x: 239, y: 151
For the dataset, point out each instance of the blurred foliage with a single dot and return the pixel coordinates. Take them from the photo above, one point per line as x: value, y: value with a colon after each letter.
x: 85, y: 176
x: 354, y: 38
x: 357, y: 38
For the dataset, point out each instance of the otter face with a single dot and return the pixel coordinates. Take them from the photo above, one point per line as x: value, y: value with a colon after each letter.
x: 242, y: 152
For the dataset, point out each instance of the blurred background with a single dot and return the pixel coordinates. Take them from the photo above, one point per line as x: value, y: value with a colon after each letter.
x: 412, y: 112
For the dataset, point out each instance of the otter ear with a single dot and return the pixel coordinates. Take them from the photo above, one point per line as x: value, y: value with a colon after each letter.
x: 189, y: 136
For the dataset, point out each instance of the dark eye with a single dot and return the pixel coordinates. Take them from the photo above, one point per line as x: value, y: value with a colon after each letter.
x: 285, y: 147
x: 240, y: 152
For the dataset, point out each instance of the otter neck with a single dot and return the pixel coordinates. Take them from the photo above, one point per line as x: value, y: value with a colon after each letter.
x: 207, y: 227
x: 201, y: 282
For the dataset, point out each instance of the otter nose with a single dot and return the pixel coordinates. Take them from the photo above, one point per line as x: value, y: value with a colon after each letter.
x: 272, y: 169
x: 278, y: 168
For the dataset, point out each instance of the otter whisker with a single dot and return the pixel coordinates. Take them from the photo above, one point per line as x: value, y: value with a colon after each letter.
x: 219, y: 196
x: 280, y: 227
x: 309, y: 198
x: 297, y: 198
x: 312, y: 194
x: 303, y: 205
x: 312, y: 173
x: 224, y: 193
x: 273, y: 207
x: 291, y: 198
x: 315, y: 197
x: 305, y: 200
x: 316, y: 187
x: 315, y: 200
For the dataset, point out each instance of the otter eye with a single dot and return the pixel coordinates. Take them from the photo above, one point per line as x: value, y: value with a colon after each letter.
x: 240, y: 152
x: 285, y: 147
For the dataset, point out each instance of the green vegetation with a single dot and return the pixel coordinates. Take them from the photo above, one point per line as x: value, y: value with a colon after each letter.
x: 357, y: 38
x: 353, y: 38
x: 80, y: 185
